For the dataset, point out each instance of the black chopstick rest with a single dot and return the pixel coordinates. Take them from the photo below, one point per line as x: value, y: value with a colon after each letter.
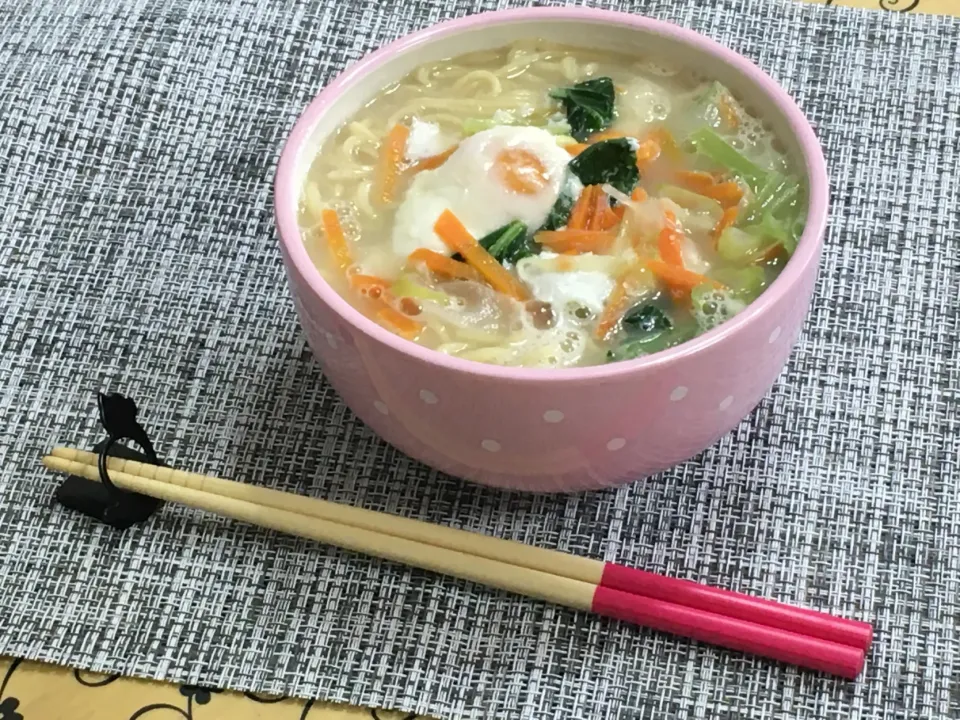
x: 103, y: 500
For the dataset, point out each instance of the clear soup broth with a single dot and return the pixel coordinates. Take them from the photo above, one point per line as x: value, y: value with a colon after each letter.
x: 550, y: 206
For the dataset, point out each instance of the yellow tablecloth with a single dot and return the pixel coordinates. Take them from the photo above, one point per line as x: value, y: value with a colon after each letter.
x: 34, y: 691
x: 934, y: 7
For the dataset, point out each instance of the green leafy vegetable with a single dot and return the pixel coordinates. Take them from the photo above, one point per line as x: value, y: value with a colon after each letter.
x: 560, y: 211
x: 407, y: 286
x: 647, y: 319
x: 509, y: 243
x: 638, y: 345
x: 771, y: 231
x: 648, y: 329
x: 773, y: 215
x: 499, y: 242
x: 608, y: 161
x: 709, y: 143
x: 471, y: 126
x: 589, y: 106
x: 778, y: 193
x: 774, y: 212
x: 747, y: 282
x: 737, y: 245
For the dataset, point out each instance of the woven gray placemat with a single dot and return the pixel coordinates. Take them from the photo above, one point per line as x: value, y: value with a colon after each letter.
x: 137, y: 147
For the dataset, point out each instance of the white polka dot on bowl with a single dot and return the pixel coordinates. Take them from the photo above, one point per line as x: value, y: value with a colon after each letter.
x: 490, y: 445
x: 553, y: 416
x: 774, y: 335
x: 332, y: 340
x: 679, y: 393
x: 725, y: 403
x: 428, y: 397
x: 616, y: 444
x: 381, y: 407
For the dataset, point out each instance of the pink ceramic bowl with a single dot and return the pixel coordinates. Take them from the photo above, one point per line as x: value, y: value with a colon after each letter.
x: 563, y: 429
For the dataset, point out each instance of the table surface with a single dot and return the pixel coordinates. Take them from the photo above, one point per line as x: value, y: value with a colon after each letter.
x: 35, y: 691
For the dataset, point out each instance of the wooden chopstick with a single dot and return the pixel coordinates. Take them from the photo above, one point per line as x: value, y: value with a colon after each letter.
x: 551, y: 561
x: 596, y: 572
x: 523, y: 581
x: 732, y: 632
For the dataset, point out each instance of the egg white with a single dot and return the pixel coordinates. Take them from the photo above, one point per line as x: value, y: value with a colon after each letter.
x: 469, y: 185
x: 426, y: 139
x: 583, y: 280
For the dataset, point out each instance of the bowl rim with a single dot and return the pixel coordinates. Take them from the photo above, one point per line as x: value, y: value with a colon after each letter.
x: 286, y: 191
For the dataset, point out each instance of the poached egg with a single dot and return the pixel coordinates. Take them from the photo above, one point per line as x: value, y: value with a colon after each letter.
x: 494, y: 177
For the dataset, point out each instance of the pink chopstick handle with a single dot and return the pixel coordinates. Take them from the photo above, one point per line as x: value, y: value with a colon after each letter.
x: 733, y: 633
x: 745, y: 607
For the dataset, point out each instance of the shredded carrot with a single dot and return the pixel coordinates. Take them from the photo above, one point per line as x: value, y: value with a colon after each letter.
x: 638, y: 195
x: 727, y: 193
x: 696, y: 180
x: 669, y: 241
x: 668, y: 145
x: 459, y: 239
x: 592, y: 211
x: 599, y: 219
x: 648, y: 151
x: 409, y: 306
x: 726, y: 220
x: 728, y: 112
x: 373, y: 287
x: 369, y: 285
x: 583, y: 209
x: 442, y: 265
x: 618, y: 300
x: 392, y: 150
x: 575, y: 148
x: 677, y: 278
x: 606, y: 135
x: 615, y: 306
x: 336, y: 240
x: 432, y: 162
x: 609, y: 218
x: 400, y: 322
x: 576, y: 241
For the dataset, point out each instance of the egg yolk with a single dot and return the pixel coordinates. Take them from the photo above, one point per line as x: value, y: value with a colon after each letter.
x: 521, y: 171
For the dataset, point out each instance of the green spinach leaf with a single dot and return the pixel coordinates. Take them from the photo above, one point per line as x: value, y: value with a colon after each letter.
x: 569, y: 192
x: 646, y: 319
x: 642, y: 344
x: 589, y: 106
x: 608, y: 161
x: 509, y: 243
